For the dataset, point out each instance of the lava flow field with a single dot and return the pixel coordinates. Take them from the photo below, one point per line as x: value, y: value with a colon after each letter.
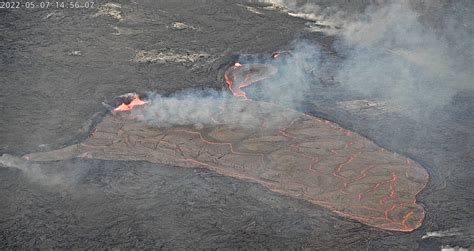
x: 289, y: 152
x: 247, y: 125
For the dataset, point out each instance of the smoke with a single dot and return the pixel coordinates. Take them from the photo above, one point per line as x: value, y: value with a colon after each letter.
x: 386, y: 52
x: 209, y: 107
x: 297, y: 74
x: 389, y: 52
x: 64, y: 176
x: 190, y: 107
x: 416, y: 56
x: 392, y: 55
x: 329, y: 16
x: 200, y: 108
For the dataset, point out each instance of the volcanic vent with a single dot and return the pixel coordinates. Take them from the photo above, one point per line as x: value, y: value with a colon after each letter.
x: 286, y: 151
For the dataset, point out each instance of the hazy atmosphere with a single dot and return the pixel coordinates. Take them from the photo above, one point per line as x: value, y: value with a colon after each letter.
x: 285, y: 124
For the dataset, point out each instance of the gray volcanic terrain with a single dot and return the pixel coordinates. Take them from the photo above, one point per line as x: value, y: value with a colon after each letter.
x: 63, y: 70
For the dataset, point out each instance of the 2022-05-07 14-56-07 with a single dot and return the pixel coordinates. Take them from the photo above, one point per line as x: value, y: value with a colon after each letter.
x: 46, y: 5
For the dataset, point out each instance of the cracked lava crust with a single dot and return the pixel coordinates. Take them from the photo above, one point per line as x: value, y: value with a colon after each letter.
x: 289, y: 152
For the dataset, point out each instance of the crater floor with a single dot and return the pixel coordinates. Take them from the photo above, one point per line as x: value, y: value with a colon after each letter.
x: 286, y: 151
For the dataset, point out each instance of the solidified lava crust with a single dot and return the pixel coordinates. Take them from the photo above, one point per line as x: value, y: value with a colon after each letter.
x: 289, y: 152
x: 242, y: 75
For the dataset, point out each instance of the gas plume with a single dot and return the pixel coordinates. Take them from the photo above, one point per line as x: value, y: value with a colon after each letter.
x: 415, y: 55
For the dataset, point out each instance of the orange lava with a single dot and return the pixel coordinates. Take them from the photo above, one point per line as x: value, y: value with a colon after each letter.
x: 245, y: 75
x: 374, y: 202
x: 277, y: 54
x: 236, y: 89
x: 136, y: 101
x: 389, y: 185
x: 288, y: 152
x: 236, y: 92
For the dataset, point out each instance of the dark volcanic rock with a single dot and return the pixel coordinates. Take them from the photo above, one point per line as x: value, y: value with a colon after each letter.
x: 288, y: 152
x: 59, y: 65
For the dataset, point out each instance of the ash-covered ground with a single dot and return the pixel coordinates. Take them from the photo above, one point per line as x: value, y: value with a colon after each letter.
x: 59, y: 65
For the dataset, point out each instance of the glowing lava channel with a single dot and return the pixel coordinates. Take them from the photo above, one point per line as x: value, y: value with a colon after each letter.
x: 385, y: 215
x: 245, y: 75
x: 136, y: 101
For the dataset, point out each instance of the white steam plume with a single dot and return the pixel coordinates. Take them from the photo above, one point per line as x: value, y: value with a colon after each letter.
x: 414, y: 54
